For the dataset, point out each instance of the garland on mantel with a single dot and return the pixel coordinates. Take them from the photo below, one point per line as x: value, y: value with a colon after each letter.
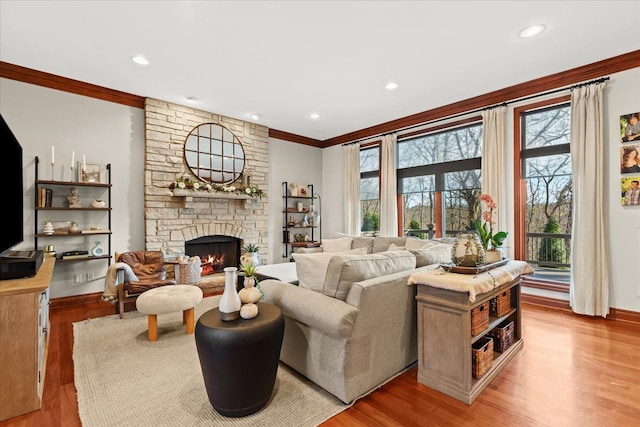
x: 202, y: 189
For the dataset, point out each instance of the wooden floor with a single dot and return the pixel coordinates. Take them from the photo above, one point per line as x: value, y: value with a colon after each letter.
x: 573, y: 371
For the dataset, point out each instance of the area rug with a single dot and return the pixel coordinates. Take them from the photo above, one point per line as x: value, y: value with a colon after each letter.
x: 123, y: 379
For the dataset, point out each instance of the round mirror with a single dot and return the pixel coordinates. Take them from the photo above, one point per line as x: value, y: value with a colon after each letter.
x: 214, y: 154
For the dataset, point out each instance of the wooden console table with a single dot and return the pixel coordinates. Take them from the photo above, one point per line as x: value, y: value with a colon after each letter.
x: 444, y: 330
x: 24, y: 336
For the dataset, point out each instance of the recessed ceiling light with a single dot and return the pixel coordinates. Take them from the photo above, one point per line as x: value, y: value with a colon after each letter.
x: 192, y: 99
x: 140, y: 60
x: 391, y: 86
x: 531, y: 31
x: 254, y: 116
x: 314, y: 116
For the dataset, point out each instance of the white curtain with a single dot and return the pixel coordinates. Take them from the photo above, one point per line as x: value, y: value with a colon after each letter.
x: 589, y: 291
x: 388, y: 207
x: 352, y: 189
x: 493, y: 162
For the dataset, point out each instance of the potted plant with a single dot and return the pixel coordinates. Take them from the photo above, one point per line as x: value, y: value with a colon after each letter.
x: 484, y: 228
x: 252, y: 293
x: 250, y: 254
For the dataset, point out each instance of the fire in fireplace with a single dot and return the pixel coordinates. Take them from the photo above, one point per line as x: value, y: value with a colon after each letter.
x: 215, y: 252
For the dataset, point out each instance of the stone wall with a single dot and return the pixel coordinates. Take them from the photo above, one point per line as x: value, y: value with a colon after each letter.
x: 171, y: 220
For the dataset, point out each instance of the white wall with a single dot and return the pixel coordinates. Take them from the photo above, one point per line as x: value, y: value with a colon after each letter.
x: 103, y: 131
x: 297, y: 163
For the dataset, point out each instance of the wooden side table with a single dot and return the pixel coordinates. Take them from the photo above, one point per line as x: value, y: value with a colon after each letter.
x: 239, y: 359
x: 445, y: 339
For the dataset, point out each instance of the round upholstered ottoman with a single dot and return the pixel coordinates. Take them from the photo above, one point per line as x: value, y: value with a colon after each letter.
x: 239, y: 359
x: 168, y: 299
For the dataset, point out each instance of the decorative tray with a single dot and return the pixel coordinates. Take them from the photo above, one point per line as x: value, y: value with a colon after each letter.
x: 472, y: 270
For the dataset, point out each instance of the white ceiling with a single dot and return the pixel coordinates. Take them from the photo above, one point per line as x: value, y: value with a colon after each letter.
x: 286, y: 59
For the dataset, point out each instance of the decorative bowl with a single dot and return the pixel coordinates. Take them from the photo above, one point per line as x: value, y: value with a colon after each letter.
x: 98, y: 203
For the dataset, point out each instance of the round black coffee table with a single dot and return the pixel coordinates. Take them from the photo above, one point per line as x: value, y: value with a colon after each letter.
x: 239, y: 359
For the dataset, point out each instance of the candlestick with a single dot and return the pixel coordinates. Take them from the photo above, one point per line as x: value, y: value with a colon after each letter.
x: 53, y: 157
x: 73, y: 157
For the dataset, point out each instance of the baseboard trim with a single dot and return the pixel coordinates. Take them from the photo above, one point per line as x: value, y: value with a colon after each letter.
x: 76, y: 300
x: 617, y: 314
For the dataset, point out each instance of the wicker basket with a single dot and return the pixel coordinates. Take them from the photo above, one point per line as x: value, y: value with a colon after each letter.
x: 479, y: 318
x: 500, y: 304
x: 188, y: 273
x: 502, y: 336
x: 481, y: 356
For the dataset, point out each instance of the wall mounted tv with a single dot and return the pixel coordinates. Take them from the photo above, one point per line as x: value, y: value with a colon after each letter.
x: 12, y: 189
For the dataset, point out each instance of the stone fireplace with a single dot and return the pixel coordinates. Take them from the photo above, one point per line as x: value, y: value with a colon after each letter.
x: 171, y: 221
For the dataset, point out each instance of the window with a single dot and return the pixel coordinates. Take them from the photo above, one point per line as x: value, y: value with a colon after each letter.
x: 439, y: 181
x: 545, y: 196
x: 370, y: 190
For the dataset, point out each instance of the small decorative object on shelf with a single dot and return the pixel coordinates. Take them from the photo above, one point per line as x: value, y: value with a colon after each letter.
x: 97, y: 250
x: 48, y: 227
x: 73, y: 228
x: 74, y: 199
x: 230, y: 303
x: 98, y: 203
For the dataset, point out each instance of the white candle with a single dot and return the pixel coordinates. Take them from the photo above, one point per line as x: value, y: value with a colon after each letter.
x: 73, y: 157
x: 53, y: 153
x: 84, y: 163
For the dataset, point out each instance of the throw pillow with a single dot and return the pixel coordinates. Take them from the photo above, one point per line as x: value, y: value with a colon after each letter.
x: 434, y: 254
x: 415, y: 244
x: 311, y: 269
x: 393, y: 247
x: 341, y: 244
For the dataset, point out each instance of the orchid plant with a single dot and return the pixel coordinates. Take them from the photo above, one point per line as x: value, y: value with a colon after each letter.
x: 484, y: 226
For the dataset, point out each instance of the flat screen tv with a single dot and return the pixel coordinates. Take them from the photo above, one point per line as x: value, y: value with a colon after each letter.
x: 12, y: 188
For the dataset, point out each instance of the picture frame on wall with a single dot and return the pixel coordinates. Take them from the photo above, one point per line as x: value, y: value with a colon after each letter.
x: 630, y: 187
x: 630, y: 127
x: 91, y: 173
x: 630, y: 158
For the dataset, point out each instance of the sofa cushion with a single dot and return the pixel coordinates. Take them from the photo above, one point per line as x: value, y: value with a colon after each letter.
x: 311, y: 269
x: 381, y: 244
x: 414, y: 244
x: 393, y: 247
x: 344, y: 270
x: 433, y: 254
x: 363, y: 242
x: 341, y: 244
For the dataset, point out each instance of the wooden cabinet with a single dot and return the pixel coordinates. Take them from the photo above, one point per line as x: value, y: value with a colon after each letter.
x: 293, y: 219
x: 87, y: 216
x: 24, y: 337
x: 445, y: 340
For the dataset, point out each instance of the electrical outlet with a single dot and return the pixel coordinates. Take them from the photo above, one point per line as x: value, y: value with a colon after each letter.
x: 77, y: 278
x: 89, y: 277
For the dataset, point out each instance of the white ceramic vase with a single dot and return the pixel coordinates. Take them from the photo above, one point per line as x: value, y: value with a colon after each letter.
x: 230, y: 303
x: 467, y: 251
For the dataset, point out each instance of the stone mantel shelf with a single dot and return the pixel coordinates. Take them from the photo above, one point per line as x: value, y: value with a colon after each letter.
x: 189, y: 194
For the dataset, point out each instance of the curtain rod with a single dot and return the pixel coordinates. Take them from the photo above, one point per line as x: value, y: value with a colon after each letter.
x: 477, y: 110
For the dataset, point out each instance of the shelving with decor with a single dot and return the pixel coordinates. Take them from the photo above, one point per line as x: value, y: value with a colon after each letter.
x: 303, y: 222
x: 52, y: 201
x: 449, y: 333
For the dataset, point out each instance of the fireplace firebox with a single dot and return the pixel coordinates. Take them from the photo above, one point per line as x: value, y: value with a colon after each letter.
x: 215, y: 252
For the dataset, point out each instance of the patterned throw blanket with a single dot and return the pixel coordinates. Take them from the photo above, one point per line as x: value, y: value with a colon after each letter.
x: 473, y: 283
x: 110, y: 288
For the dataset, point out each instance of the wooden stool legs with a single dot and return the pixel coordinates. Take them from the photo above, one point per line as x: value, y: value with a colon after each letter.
x: 187, y: 318
x: 153, y: 327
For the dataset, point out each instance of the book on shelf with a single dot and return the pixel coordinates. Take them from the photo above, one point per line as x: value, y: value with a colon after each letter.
x: 100, y: 231
x: 45, y: 196
x: 75, y: 256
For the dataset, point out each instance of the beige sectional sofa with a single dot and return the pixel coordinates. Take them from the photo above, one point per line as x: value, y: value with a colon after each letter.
x: 353, y: 326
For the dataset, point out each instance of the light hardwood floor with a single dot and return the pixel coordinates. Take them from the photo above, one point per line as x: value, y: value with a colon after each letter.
x: 573, y: 371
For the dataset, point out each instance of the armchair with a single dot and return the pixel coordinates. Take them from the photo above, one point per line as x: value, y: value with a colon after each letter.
x: 147, y: 271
